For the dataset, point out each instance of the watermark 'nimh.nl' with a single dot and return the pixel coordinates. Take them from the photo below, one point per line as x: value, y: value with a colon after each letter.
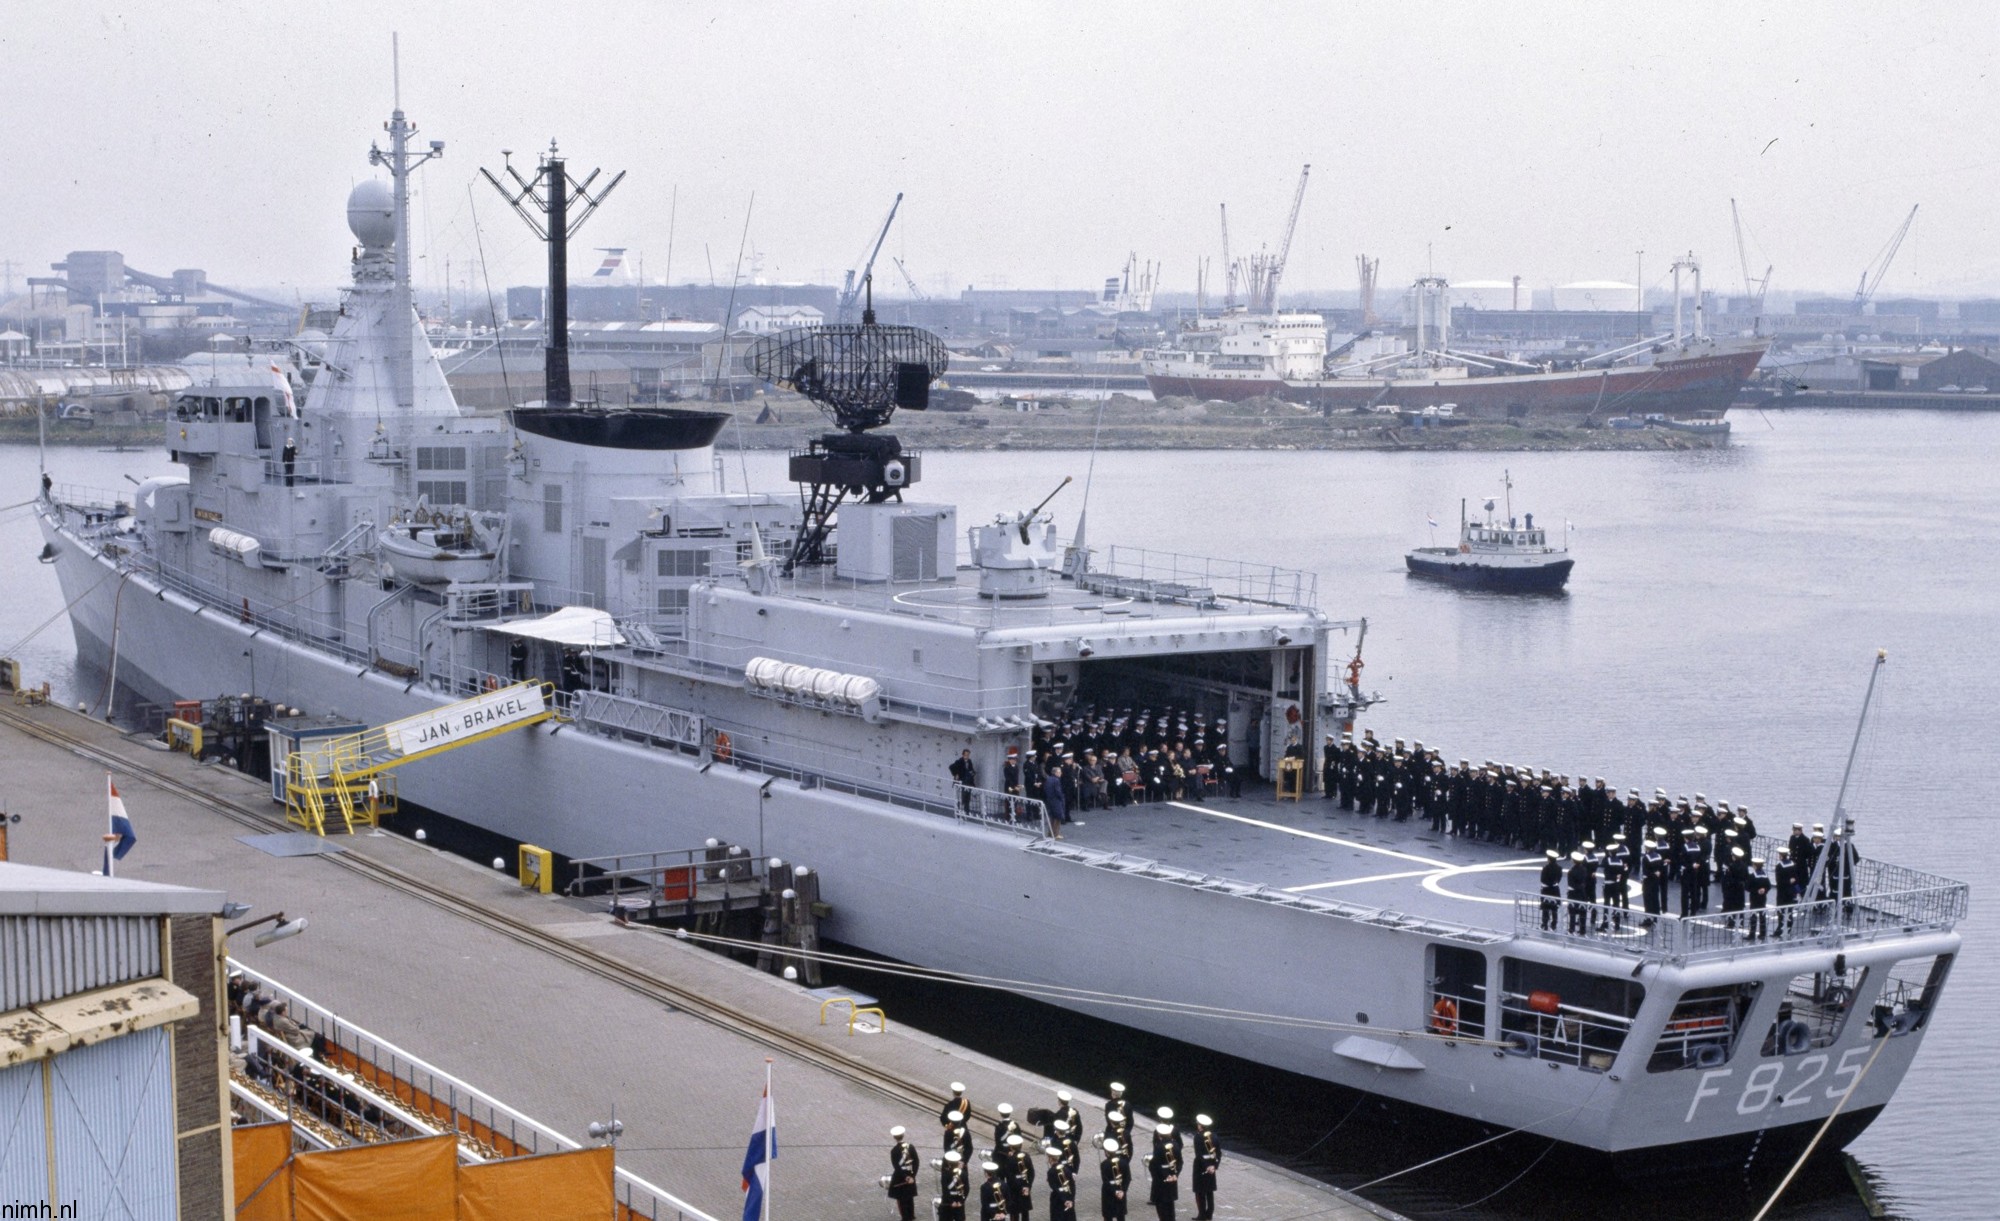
x: 41, y: 1209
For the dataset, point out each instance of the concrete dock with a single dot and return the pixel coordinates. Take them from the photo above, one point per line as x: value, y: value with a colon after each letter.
x: 549, y: 1005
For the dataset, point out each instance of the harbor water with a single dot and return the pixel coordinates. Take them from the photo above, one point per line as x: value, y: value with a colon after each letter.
x: 1716, y: 636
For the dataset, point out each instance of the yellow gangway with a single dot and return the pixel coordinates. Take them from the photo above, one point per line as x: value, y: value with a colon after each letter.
x: 347, y: 780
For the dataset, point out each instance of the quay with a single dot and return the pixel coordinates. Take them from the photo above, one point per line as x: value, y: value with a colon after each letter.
x: 550, y: 1006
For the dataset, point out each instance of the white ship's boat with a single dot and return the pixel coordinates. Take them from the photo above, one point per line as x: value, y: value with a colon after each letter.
x: 1496, y: 552
x: 426, y: 548
x: 810, y: 704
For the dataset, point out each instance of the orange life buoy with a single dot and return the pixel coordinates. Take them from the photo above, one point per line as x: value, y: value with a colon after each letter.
x: 1354, y: 673
x: 1464, y: 549
x: 492, y: 683
x: 1444, y: 1017
x: 721, y: 746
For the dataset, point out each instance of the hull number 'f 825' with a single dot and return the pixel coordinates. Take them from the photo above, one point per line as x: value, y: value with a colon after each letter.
x: 1760, y: 1085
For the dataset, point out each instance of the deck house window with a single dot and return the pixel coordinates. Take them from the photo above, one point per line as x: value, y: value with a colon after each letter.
x: 1703, y: 1029
x: 552, y: 508
x: 1568, y: 1016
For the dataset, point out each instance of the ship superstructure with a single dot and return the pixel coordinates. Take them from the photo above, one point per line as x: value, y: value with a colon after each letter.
x: 797, y: 672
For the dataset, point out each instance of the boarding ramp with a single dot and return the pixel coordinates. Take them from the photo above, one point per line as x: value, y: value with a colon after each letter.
x: 348, y: 780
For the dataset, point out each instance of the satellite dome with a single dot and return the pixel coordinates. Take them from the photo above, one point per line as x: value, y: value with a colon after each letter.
x: 371, y: 213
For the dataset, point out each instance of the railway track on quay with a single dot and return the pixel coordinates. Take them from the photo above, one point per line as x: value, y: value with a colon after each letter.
x: 772, y: 1035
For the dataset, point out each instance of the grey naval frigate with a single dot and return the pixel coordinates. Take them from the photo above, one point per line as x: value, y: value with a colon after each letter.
x: 725, y: 663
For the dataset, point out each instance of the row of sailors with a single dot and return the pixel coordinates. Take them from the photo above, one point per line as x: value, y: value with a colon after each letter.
x: 1747, y: 885
x: 1068, y: 782
x: 1008, y: 1188
x: 1517, y: 805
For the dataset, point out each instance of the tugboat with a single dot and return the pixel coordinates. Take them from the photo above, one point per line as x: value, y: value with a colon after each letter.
x: 1496, y: 553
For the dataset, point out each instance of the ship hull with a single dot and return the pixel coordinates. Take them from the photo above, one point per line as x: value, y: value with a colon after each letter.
x: 1224, y: 388
x: 1681, y: 386
x: 1468, y: 571
x: 923, y: 888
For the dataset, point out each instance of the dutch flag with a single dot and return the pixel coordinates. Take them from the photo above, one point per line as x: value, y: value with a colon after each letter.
x: 1432, y: 519
x: 758, y: 1157
x: 120, y: 837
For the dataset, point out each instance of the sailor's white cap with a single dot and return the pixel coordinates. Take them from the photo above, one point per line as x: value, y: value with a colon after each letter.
x: 1005, y: 1108
x: 1617, y: 836
x: 897, y: 1130
x: 1203, y: 1121
x: 1062, y: 1125
x: 1587, y: 845
x: 1659, y: 792
x: 990, y: 1167
x: 1062, y: 1095
x: 958, y: 1087
x: 954, y: 1156
x: 1757, y: 860
x: 1112, y: 1146
x: 1651, y: 844
x: 1576, y: 856
x: 1798, y: 826
x: 1818, y: 827
x: 956, y: 1116
x: 1164, y: 1128
x: 1165, y: 1113
x: 1660, y: 831
x: 1554, y: 855
x: 1014, y: 1140
x: 1737, y: 853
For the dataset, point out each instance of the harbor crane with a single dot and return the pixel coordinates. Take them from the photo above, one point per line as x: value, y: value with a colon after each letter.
x: 909, y: 279
x: 1752, y: 289
x: 1268, y: 303
x: 1228, y: 267
x: 850, y: 288
x: 1873, y: 275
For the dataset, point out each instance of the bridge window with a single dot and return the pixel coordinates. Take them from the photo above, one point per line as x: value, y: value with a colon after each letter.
x: 552, y: 508
x: 1819, y: 1004
x: 1703, y: 1028
x: 673, y: 601
x: 683, y: 563
x: 440, y: 458
x: 1458, y: 992
x: 442, y: 491
x: 1567, y: 1016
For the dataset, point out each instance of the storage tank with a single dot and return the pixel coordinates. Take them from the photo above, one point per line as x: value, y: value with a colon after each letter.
x: 1483, y: 294
x: 1597, y: 295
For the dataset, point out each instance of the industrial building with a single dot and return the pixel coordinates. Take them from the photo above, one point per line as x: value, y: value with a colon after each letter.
x: 113, y: 1057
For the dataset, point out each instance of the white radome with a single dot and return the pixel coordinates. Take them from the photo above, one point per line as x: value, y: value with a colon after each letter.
x: 371, y: 214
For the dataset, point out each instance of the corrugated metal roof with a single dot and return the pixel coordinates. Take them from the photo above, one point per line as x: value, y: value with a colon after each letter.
x: 46, y: 957
x: 91, y: 1017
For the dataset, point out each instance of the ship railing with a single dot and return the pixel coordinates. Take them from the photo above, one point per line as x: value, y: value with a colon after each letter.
x: 655, y: 883
x: 93, y: 503
x: 306, y: 470
x: 288, y: 620
x: 471, y: 1113
x: 1542, y: 1026
x: 1228, y: 580
x: 1830, y: 922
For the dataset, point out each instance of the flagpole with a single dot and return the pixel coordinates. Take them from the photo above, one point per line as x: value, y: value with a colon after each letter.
x: 109, y: 864
x: 770, y: 1154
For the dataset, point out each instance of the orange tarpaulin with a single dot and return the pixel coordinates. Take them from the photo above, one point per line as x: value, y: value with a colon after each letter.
x: 260, y: 1152
x: 404, y: 1180
x: 573, y: 1186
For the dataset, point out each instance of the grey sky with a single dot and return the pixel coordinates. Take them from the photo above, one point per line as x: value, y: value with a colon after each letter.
x: 1036, y: 142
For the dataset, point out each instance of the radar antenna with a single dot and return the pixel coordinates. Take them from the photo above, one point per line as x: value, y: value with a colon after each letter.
x: 858, y: 374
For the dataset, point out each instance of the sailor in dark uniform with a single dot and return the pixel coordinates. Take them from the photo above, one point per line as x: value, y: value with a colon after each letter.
x: 1617, y: 891
x: 958, y: 1135
x: 1801, y: 845
x: 1329, y: 769
x: 1552, y: 877
x: 957, y: 1102
x: 1115, y: 1173
x: 1006, y: 1126
x: 902, y: 1181
x: 1653, y: 871
x: 1017, y: 1179
x: 1164, y: 1166
x: 1694, y: 874
x: 1066, y: 1112
x: 992, y: 1198
x: 1757, y: 892
x: 1733, y: 872
x: 952, y: 1188
x: 1791, y: 885
x: 1581, y: 884
x: 1207, y: 1160
x: 1062, y: 1186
